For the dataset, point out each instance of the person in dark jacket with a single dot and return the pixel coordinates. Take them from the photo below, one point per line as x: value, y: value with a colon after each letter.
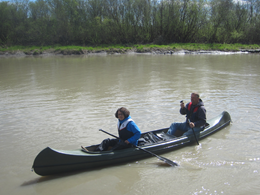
x: 128, y: 131
x: 196, y: 113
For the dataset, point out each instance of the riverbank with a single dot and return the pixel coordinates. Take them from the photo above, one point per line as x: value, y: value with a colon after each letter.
x: 171, y: 49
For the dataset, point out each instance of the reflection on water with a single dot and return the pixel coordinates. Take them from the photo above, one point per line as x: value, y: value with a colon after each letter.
x: 61, y: 102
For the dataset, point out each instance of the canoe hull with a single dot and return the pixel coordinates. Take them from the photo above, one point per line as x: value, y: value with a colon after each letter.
x: 50, y: 161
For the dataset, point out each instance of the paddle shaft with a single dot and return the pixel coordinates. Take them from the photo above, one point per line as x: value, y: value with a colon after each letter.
x: 159, y: 157
x: 194, y: 133
x: 192, y: 128
x: 129, y: 143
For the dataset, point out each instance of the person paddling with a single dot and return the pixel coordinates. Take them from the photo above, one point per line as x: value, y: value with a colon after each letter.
x: 196, y: 113
x: 127, y: 130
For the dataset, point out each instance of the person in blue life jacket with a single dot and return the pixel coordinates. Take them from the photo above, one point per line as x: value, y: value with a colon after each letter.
x: 196, y: 113
x: 128, y: 131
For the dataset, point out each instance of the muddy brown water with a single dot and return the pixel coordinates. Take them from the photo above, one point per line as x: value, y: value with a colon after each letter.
x: 61, y: 102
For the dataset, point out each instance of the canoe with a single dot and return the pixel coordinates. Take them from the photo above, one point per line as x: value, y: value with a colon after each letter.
x: 50, y: 161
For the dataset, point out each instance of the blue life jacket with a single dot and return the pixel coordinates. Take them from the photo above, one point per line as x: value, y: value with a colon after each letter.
x: 124, y: 134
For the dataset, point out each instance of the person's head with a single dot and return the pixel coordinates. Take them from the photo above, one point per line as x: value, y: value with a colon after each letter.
x: 122, y: 113
x: 195, y: 98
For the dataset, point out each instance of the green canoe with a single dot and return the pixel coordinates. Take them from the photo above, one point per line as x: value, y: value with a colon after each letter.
x: 50, y: 161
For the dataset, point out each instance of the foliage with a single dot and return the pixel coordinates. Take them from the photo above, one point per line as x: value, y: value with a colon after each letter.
x: 126, y: 22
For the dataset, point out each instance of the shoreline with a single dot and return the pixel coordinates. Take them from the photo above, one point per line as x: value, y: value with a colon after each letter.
x: 52, y: 52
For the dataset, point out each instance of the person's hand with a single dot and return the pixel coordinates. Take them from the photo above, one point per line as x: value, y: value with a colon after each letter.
x: 192, y: 125
x: 127, y: 142
x: 182, y: 105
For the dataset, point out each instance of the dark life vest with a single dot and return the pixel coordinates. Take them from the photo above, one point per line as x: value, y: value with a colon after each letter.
x: 124, y: 134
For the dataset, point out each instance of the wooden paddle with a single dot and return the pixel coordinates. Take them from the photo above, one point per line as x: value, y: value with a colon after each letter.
x: 194, y: 134
x: 159, y: 157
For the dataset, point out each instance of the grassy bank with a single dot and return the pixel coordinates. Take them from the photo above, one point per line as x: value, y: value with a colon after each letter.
x: 34, y: 50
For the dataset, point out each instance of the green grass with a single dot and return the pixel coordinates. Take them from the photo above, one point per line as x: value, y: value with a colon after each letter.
x: 137, y: 47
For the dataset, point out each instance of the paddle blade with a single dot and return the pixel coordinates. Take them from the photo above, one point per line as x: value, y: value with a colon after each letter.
x: 169, y: 162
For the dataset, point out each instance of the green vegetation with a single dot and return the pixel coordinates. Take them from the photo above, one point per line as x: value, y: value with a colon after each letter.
x: 126, y: 22
x: 34, y: 50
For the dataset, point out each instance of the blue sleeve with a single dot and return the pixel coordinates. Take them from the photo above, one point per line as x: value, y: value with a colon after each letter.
x: 136, y: 131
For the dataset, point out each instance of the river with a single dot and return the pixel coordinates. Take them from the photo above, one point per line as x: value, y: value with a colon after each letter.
x: 61, y: 102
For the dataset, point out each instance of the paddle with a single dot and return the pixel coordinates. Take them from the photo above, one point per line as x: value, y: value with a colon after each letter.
x: 192, y: 128
x: 194, y: 134
x: 159, y: 157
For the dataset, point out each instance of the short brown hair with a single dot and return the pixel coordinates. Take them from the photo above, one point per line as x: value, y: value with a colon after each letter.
x: 125, y: 112
x: 197, y: 94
